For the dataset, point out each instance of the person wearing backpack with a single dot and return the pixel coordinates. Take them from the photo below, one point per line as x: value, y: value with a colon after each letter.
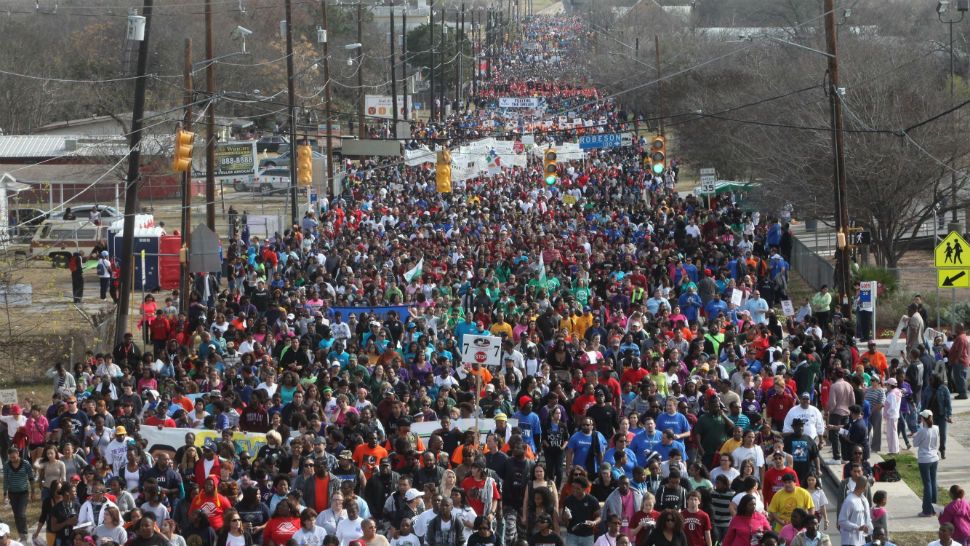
x: 104, y: 274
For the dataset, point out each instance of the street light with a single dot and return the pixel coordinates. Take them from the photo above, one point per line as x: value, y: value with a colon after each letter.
x: 941, y: 8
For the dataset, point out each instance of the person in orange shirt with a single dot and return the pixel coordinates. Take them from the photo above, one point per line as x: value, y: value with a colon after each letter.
x: 482, y: 373
x: 368, y: 456
x: 876, y: 359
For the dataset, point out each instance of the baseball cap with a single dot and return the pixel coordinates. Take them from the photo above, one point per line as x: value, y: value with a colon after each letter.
x: 501, y: 417
x: 120, y: 430
x: 788, y: 478
x: 926, y: 414
x: 806, y: 395
x: 412, y: 494
x: 4, y: 530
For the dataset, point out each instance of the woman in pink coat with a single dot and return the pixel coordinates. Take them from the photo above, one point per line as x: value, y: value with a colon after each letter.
x: 957, y: 513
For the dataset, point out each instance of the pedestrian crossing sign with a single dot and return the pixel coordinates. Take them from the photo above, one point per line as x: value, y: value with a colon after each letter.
x: 953, y: 251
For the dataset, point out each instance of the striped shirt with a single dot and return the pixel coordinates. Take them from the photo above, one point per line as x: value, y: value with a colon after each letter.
x: 17, y: 480
x: 721, y: 507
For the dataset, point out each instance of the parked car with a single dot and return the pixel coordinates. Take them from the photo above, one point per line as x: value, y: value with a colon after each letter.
x: 272, y: 179
x: 83, y: 212
x: 270, y: 143
x: 283, y: 160
x: 23, y: 222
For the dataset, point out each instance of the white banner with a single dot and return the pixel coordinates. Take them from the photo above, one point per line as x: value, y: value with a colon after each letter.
x: 380, y: 106
x: 174, y: 438
x: 416, y: 158
x: 521, y: 102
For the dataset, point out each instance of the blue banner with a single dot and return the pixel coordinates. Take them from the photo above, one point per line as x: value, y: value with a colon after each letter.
x: 380, y: 311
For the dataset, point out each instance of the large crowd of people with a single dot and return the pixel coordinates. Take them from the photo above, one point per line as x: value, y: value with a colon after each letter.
x: 649, y: 390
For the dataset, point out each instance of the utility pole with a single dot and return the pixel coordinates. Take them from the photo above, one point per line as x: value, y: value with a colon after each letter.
x: 210, y: 124
x: 431, y: 82
x: 394, y: 77
x: 133, y: 183
x: 488, y: 44
x: 361, y: 130
x: 842, y: 278
x: 328, y: 98
x: 291, y: 110
x: 461, y: 57
x: 441, y: 75
x: 404, y: 61
x: 660, y: 84
x: 186, y: 178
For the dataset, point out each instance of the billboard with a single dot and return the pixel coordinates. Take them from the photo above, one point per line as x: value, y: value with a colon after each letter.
x: 232, y: 159
x: 379, y: 106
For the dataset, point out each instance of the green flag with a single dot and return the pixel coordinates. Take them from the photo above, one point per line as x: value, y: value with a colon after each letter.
x: 414, y: 271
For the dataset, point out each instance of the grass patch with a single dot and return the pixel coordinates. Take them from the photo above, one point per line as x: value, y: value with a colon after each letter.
x: 908, y: 470
x: 911, y: 538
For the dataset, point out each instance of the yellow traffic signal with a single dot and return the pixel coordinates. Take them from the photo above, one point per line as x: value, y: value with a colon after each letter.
x: 550, y: 170
x: 182, y: 155
x: 658, y: 155
x: 304, y: 165
x: 442, y: 172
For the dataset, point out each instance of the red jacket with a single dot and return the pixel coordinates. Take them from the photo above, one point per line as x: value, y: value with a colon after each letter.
x: 200, y: 474
x: 213, y: 506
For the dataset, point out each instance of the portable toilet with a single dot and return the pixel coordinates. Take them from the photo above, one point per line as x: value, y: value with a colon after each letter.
x: 147, y: 240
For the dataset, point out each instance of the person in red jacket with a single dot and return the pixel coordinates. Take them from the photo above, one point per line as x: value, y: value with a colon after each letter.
x: 208, y: 465
x: 212, y: 504
x: 778, y: 404
x: 160, y: 331
x: 774, y: 476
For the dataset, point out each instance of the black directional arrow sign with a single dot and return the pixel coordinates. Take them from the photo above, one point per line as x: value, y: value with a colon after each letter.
x: 952, y: 280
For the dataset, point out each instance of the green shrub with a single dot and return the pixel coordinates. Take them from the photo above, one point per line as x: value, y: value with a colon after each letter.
x: 888, y: 282
x: 957, y: 312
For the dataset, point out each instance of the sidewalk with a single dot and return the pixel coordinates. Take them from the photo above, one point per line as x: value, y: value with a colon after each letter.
x: 903, y: 504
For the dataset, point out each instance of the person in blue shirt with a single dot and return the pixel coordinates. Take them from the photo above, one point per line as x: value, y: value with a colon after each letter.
x: 528, y: 423
x: 646, y: 442
x: 620, y: 446
x: 580, y: 450
x: 674, y: 421
x: 690, y: 304
x: 465, y: 327
x: 715, y: 306
x: 668, y: 444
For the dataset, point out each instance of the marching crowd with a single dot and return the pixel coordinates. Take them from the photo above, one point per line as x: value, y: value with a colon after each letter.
x: 649, y: 393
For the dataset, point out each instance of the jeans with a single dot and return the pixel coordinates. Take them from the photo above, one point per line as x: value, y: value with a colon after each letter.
x: 903, y: 423
x: 834, y: 437
x: 942, y: 424
x: 960, y: 378
x: 18, y: 503
x: 573, y: 540
x: 875, y: 436
x: 105, y: 284
x: 927, y: 473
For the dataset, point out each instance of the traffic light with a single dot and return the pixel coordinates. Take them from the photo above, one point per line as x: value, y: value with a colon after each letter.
x: 182, y: 154
x: 658, y: 155
x: 550, y: 169
x: 304, y: 165
x: 442, y: 172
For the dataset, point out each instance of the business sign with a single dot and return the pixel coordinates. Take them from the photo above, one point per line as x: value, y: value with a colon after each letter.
x: 8, y: 396
x: 521, y: 102
x: 379, y: 106
x: 486, y: 350
x: 232, y: 159
x: 322, y: 130
x: 605, y: 140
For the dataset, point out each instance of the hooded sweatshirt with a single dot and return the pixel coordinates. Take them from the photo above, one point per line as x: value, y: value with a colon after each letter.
x: 213, y: 506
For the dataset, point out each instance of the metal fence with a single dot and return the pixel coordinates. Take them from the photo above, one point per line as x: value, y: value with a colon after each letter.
x: 815, y: 269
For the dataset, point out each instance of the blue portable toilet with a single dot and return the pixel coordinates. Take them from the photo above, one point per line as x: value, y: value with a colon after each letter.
x: 148, y: 239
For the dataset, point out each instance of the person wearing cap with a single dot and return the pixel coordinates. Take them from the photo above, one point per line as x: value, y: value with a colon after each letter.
x: 786, y: 500
x: 13, y: 421
x: 812, y: 420
x: 806, y: 458
x: 890, y: 415
x: 927, y: 443
x: 528, y: 422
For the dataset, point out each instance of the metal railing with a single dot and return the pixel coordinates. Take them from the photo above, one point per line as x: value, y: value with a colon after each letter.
x: 815, y: 269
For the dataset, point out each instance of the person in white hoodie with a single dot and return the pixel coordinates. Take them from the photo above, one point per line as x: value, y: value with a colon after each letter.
x: 855, y: 517
x: 890, y: 414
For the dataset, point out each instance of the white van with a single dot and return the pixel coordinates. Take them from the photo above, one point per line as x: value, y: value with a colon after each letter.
x: 58, y: 239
